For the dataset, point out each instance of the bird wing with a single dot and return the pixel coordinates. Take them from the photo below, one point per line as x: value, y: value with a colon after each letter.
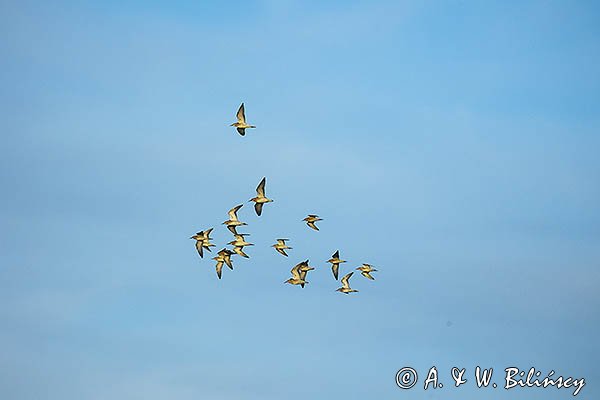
x: 282, y: 241
x: 207, y: 233
x: 219, y: 268
x: 367, y: 275
x: 233, y: 212
x: 239, y: 251
x: 232, y: 229
x: 258, y: 208
x: 241, y: 131
x: 199, y: 248
x: 260, y: 189
x: 281, y: 251
x: 335, y: 269
x: 295, y: 272
x: 336, y: 255
x: 241, y: 115
x: 345, y: 282
x: 312, y: 225
x: 227, y: 259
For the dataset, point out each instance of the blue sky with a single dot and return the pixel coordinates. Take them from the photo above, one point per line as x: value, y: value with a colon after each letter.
x: 453, y: 145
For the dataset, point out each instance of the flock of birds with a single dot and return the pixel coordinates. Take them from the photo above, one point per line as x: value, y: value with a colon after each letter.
x: 300, y: 270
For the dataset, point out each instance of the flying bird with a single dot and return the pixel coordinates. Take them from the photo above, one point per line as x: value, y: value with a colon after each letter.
x: 304, y: 268
x: 311, y: 219
x: 346, y: 285
x: 260, y: 198
x: 280, y: 246
x: 241, y: 124
x: 233, y: 221
x: 335, y: 263
x: 239, y: 243
x: 203, y: 241
x: 296, y: 278
x: 365, y: 270
x: 223, y: 256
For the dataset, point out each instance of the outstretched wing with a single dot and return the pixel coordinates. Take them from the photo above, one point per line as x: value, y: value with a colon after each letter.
x: 199, y: 248
x: 336, y: 255
x: 260, y: 189
x: 303, y: 278
x: 227, y: 259
x: 233, y: 212
x: 241, y: 115
x: 335, y: 268
x: 345, y: 282
x: 258, y: 208
x: 238, y: 250
x: 219, y: 268
x: 367, y: 275
x: 241, y: 131
x: 295, y: 271
x: 312, y: 225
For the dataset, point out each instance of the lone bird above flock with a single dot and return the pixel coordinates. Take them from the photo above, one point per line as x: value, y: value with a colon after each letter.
x: 203, y: 241
x: 241, y: 124
x: 260, y: 198
x: 280, y: 246
x: 335, y: 263
x: 346, y: 285
x: 233, y: 221
x: 365, y: 270
x: 311, y: 219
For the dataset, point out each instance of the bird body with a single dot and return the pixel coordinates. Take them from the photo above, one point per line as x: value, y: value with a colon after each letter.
x: 241, y: 124
x: 240, y: 241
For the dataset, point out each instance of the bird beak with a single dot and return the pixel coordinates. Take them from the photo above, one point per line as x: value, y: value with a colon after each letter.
x: 232, y: 124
